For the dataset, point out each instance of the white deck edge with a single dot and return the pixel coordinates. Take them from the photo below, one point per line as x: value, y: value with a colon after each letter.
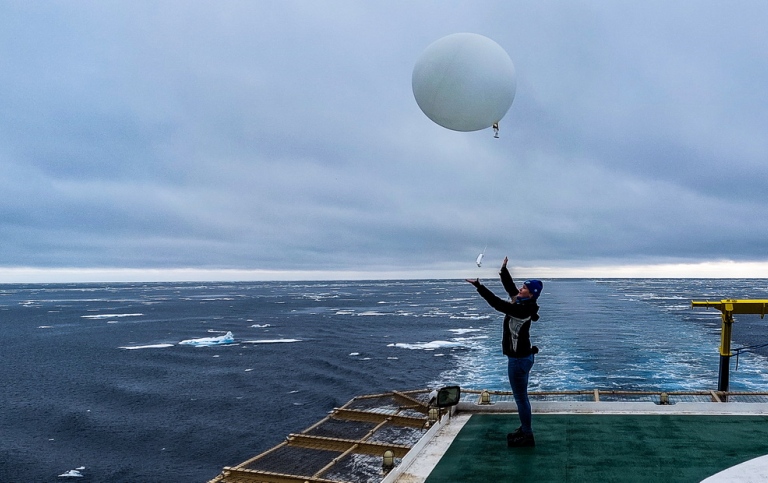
x: 424, y: 455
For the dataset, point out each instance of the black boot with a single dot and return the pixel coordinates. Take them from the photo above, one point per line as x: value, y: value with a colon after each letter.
x: 514, y: 434
x: 521, y: 440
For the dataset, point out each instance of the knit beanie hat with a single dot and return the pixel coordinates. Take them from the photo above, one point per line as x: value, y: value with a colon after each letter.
x: 534, y: 286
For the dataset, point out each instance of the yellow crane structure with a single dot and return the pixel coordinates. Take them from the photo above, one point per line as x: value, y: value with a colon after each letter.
x: 727, y: 308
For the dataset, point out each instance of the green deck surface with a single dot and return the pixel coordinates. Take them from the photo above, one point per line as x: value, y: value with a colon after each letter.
x: 601, y: 447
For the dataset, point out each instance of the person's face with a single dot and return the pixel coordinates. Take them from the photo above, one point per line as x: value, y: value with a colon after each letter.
x: 523, y: 292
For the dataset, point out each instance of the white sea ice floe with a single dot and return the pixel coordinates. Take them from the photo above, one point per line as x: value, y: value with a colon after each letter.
x: 72, y: 474
x: 435, y: 344
x: 228, y: 338
x: 109, y: 316
x: 150, y: 346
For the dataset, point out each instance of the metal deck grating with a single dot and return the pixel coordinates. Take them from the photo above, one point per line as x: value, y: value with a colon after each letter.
x: 404, y: 435
x: 293, y: 460
x: 340, y: 428
x: 346, y: 446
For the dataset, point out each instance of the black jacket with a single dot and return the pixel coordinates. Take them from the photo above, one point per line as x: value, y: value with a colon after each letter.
x: 516, y: 338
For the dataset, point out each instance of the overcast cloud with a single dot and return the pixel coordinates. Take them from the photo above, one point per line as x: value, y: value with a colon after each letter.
x: 281, y: 139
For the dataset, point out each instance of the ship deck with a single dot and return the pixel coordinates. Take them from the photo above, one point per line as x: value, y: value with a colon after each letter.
x: 580, y: 436
x: 602, y: 447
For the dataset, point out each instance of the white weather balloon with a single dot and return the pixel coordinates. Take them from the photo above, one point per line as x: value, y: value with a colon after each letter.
x: 464, y: 82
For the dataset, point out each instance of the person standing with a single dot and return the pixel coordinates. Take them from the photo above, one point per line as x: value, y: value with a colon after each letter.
x: 519, y: 312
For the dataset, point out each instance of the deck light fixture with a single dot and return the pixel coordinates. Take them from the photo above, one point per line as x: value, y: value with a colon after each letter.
x: 485, y: 397
x: 434, y: 415
x: 388, y: 460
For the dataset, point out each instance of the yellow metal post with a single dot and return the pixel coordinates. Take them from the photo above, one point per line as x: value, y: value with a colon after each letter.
x: 727, y: 308
x: 723, y: 379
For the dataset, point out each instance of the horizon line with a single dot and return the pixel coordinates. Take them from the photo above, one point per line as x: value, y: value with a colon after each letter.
x: 703, y: 270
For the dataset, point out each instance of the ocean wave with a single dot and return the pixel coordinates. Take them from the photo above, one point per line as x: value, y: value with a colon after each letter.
x: 110, y: 316
x: 269, y: 341
x: 464, y: 331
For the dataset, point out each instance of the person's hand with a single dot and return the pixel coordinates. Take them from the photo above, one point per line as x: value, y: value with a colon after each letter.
x: 474, y: 281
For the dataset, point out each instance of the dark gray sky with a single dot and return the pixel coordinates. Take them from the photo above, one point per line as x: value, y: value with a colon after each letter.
x: 259, y: 139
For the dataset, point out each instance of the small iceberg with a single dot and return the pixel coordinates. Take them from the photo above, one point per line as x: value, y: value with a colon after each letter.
x: 73, y: 473
x: 227, y: 338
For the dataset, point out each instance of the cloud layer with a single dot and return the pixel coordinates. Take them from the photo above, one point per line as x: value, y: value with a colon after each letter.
x: 283, y: 136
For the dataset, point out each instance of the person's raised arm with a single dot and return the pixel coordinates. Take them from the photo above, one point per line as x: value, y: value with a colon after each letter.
x: 494, y: 301
x: 506, y: 279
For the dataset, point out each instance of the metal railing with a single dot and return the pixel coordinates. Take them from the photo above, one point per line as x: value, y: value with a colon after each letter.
x: 597, y: 395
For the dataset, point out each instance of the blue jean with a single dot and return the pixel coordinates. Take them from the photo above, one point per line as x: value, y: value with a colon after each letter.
x: 519, y: 368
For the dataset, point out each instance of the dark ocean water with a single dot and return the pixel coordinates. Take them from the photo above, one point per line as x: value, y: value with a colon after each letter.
x: 94, y: 375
